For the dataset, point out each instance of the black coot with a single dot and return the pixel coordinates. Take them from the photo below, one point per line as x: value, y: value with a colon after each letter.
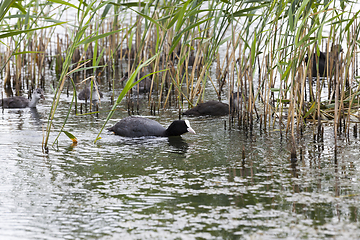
x: 85, y: 94
x: 135, y: 126
x: 21, y: 102
x: 209, y: 108
x: 215, y: 108
x: 324, y: 60
x: 143, y: 86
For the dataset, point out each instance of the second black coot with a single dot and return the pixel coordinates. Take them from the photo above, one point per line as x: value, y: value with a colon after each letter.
x: 143, y: 86
x: 135, y: 126
x: 209, y: 108
x: 21, y: 102
x: 214, y: 108
x: 85, y: 94
x: 320, y: 63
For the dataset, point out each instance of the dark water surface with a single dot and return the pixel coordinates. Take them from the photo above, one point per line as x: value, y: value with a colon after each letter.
x: 193, y: 187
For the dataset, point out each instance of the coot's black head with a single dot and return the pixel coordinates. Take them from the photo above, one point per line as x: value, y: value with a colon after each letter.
x: 179, y: 127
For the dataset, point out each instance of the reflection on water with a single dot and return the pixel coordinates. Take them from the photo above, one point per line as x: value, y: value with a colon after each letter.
x: 179, y: 145
x: 19, y: 119
x: 35, y: 116
x: 194, y: 186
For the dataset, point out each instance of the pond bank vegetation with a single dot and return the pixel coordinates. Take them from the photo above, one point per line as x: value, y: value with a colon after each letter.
x: 184, y: 49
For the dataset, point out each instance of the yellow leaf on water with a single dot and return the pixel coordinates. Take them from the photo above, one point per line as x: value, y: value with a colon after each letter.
x: 71, y: 136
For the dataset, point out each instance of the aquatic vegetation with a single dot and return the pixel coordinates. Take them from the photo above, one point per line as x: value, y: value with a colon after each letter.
x: 253, y: 47
x: 283, y: 164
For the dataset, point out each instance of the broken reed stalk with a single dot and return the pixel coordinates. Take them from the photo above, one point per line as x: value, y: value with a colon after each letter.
x: 7, y: 79
x: 336, y: 110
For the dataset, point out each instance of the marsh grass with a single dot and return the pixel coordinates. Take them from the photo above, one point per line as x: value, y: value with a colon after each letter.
x: 177, y: 44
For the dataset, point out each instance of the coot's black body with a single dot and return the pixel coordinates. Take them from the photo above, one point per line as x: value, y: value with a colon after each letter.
x: 324, y: 60
x: 85, y: 94
x: 143, y: 86
x: 135, y: 126
x: 318, y: 60
x: 209, y: 108
x: 21, y: 102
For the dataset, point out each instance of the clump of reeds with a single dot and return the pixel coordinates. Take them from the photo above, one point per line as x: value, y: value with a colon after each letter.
x: 177, y: 46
